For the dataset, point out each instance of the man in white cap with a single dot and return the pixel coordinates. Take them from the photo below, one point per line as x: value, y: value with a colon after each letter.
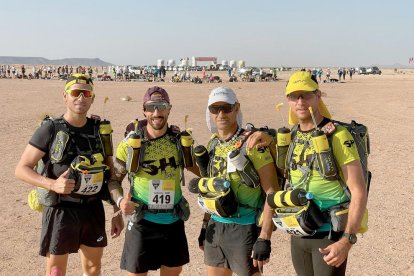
x: 326, y: 251
x: 234, y: 243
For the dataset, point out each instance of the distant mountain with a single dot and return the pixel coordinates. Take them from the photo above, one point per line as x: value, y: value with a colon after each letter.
x: 41, y: 60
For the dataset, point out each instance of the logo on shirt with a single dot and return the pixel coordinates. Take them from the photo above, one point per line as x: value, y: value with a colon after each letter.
x: 349, y: 143
x: 152, y: 169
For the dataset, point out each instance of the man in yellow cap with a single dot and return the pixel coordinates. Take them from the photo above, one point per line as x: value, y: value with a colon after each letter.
x: 326, y: 251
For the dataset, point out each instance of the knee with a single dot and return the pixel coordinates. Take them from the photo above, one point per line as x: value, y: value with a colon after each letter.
x: 92, y: 270
x: 92, y: 273
x: 173, y: 271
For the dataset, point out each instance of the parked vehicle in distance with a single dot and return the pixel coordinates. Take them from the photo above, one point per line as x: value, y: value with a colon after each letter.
x: 362, y: 71
x: 134, y: 69
x: 224, y: 67
x: 253, y: 71
x: 374, y: 70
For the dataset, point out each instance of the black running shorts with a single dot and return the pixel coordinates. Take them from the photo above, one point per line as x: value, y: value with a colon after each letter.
x: 66, y: 227
x: 149, y: 245
x: 230, y: 245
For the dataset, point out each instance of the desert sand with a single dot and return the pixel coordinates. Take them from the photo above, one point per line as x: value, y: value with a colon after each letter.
x: 384, y: 103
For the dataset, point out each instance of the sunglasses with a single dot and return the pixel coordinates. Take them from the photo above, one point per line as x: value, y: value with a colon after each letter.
x: 77, y: 93
x: 160, y: 106
x: 305, y: 96
x: 226, y: 108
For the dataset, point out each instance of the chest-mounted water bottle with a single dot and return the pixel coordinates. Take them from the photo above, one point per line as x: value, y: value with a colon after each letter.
x: 134, y: 148
x: 245, y: 168
x: 105, y: 131
x: 283, y: 142
x: 324, y: 155
x: 186, y: 144
x: 202, y: 159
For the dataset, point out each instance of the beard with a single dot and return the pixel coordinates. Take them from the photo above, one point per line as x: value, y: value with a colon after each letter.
x: 157, y: 123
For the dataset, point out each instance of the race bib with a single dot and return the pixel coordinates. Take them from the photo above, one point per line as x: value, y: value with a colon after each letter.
x: 289, y: 225
x: 161, y: 194
x: 208, y: 206
x: 90, y: 184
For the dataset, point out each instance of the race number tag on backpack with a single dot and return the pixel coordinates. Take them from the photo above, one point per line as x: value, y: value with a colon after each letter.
x: 289, y: 225
x: 90, y: 184
x: 161, y: 194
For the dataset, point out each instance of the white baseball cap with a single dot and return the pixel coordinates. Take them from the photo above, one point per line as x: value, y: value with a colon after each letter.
x: 222, y: 94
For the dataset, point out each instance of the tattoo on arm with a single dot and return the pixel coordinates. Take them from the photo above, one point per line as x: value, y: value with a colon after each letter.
x: 118, y: 173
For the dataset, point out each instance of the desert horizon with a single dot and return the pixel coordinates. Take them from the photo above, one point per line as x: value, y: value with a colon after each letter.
x: 378, y: 101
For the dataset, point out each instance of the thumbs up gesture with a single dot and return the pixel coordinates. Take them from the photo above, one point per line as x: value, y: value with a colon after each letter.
x: 126, y: 205
x: 63, y: 185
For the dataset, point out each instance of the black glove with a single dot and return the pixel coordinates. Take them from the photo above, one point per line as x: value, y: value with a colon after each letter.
x: 202, y: 237
x: 261, y: 249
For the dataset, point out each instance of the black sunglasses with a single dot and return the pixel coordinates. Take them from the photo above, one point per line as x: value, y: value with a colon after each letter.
x: 226, y: 108
x: 160, y: 106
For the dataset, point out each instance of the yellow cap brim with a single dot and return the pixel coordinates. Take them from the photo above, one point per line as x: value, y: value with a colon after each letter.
x: 323, y: 110
x: 79, y: 86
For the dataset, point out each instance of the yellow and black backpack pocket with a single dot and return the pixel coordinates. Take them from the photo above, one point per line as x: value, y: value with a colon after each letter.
x: 222, y: 204
x: 91, y: 165
x: 299, y: 221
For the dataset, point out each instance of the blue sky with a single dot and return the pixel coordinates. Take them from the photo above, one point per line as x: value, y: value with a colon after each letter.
x: 263, y: 32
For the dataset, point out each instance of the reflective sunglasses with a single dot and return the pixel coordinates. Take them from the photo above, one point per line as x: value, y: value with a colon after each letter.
x: 226, y: 108
x: 77, y: 93
x: 160, y: 106
x: 305, y: 96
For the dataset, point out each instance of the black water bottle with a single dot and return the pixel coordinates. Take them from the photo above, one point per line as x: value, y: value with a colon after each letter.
x: 292, y: 198
x: 202, y: 159
x: 208, y: 185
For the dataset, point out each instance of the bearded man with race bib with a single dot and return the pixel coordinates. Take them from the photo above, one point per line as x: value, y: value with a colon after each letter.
x: 152, y: 156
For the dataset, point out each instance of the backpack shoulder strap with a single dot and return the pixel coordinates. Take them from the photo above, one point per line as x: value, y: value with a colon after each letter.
x: 175, y: 130
x: 42, y: 168
x: 289, y: 154
x: 329, y: 129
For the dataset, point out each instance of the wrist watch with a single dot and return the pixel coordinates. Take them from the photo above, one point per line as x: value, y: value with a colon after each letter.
x: 352, y: 238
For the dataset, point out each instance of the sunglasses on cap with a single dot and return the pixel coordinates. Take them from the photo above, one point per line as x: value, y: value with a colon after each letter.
x: 160, y: 106
x: 76, y: 93
x: 305, y: 96
x: 226, y: 108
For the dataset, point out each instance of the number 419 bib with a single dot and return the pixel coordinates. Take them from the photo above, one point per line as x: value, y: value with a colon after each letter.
x: 161, y: 194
